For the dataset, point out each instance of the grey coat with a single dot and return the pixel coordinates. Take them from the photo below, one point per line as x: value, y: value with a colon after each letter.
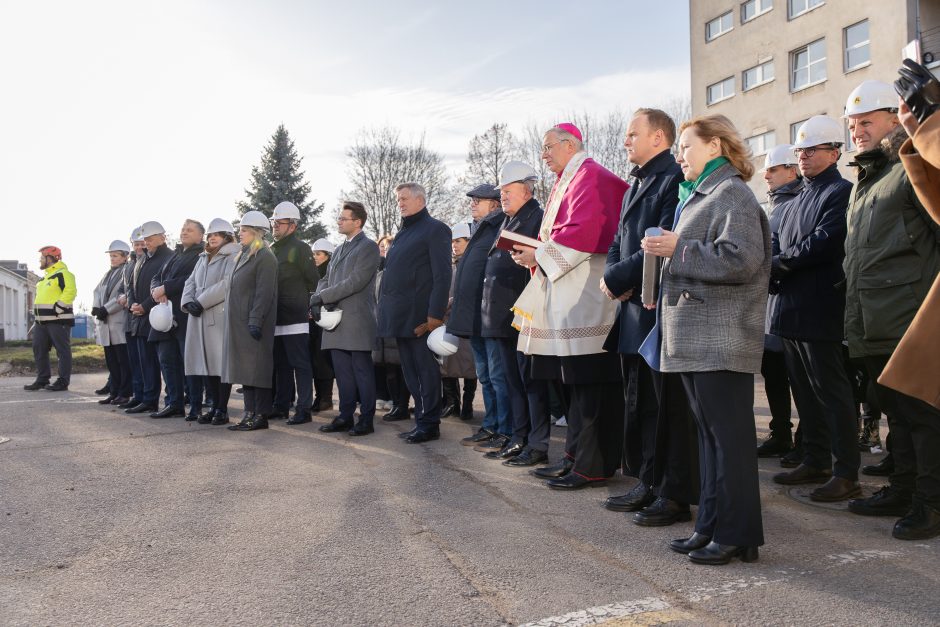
x: 251, y: 300
x: 714, y: 288
x: 349, y: 285
x: 111, y: 330
x: 205, y: 334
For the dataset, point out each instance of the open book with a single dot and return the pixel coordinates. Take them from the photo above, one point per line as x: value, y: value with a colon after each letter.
x: 508, y: 239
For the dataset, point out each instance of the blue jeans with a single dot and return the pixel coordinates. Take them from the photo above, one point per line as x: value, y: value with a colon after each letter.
x: 478, y: 345
x: 498, y: 377
x: 171, y: 365
x: 149, y: 370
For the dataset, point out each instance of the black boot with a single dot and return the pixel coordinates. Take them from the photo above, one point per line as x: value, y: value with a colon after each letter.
x: 322, y: 395
x: 469, y: 391
x: 450, y: 397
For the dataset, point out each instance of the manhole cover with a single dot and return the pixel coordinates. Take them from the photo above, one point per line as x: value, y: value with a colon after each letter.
x: 801, y: 493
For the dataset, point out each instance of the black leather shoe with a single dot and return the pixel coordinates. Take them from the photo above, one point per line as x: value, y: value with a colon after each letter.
x: 102, y: 391
x: 633, y: 501
x: 528, y: 457
x: 246, y: 418
x: 118, y: 401
x: 192, y: 417
x: 836, y: 489
x: 299, y: 418
x: 884, y: 468
x: 495, y: 443
x: 361, y: 430
x: 140, y: 409
x: 409, y: 433
x: 219, y: 418
x: 885, y: 502
x: 451, y: 409
x: 802, y: 474
x: 559, y: 469
x: 792, y: 459
x: 775, y: 446
x: 466, y: 412
x: 715, y: 554
x: 480, y: 436
x: 397, y: 413
x: 259, y: 421
x: 206, y: 418
x: 335, y: 427
x: 574, y: 481
x: 131, y: 402
x: 58, y: 386
x: 423, y: 435
x: 35, y: 385
x: 507, y: 452
x: 694, y: 542
x: 662, y: 512
x: 105, y: 401
x: 169, y: 412
x: 278, y: 414
x: 321, y: 404
x: 921, y: 523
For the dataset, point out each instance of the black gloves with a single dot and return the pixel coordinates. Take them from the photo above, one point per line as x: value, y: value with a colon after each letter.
x: 194, y: 308
x: 254, y: 331
x: 100, y: 313
x: 919, y: 89
x: 315, y: 300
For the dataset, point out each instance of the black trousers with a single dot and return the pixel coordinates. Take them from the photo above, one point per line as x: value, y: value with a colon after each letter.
x: 915, y: 438
x: 537, y: 400
x: 46, y: 336
x: 729, y: 505
x: 641, y: 410
x: 676, y: 454
x: 773, y: 368
x: 595, y: 429
x: 218, y: 393
x: 423, y: 377
x: 292, y: 368
x: 257, y: 400
x: 119, y: 370
x: 824, y: 402
x: 355, y: 378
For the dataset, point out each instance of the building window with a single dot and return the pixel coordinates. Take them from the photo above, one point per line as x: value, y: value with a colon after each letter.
x: 719, y: 26
x: 761, y: 144
x: 808, y: 65
x: 720, y: 91
x: 857, y: 49
x: 849, y: 144
x: 794, y: 129
x: 757, y: 75
x: 753, y: 8
x: 799, y: 7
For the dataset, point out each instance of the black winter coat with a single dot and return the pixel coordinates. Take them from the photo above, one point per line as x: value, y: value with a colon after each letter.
x: 147, y: 267
x: 808, y: 251
x: 173, y: 277
x: 297, y: 278
x: 651, y: 201
x: 503, y: 278
x: 466, y: 318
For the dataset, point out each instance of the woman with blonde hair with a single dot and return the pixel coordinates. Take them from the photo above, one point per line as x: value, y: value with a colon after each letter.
x: 710, y: 329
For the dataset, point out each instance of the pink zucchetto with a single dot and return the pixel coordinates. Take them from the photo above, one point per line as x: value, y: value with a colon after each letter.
x: 568, y: 127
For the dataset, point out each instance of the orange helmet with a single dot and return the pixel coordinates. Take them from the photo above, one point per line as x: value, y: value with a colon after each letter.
x: 51, y: 251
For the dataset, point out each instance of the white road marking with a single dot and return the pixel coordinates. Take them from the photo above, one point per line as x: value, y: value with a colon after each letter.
x: 603, y: 613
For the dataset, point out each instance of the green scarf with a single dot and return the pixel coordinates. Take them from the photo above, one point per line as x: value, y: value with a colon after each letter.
x: 687, y: 187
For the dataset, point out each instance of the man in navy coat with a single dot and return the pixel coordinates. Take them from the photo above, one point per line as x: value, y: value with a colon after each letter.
x: 412, y: 303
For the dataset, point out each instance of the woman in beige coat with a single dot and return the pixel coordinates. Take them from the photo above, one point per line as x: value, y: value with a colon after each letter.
x: 109, y: 322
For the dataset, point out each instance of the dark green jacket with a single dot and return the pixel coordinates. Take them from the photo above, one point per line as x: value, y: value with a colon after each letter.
x: 892, y: 252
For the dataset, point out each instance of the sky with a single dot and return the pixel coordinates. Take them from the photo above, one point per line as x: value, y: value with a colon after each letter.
x: 115, y: 113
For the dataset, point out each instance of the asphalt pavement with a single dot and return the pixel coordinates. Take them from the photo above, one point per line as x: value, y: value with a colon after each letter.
x: 113, y: 519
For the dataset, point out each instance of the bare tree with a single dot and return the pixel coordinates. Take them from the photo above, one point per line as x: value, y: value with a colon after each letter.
x: 378, y: 161
x: 487, y: 153
x: 530, y: 151
x: 680, y: 110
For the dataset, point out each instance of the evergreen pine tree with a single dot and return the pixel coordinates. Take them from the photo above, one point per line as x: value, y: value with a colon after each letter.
x: 280, y: 178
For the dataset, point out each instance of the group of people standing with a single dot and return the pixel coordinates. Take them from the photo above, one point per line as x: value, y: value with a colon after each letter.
x: 647, y: 308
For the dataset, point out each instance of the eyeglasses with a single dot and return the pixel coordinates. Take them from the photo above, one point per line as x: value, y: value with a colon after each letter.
x: 476, y: 201
x: 284, y: 222
x: 547, y: 147
x: 809, y: 152
x: 344, y: 219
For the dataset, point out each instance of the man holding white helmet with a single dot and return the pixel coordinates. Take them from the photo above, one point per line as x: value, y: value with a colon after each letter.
x: 140, y: 301
x: 109, y: 314
x: 892, y: 256
x: 806, y: 273
x: 349, y: 286
x: 296, y: 279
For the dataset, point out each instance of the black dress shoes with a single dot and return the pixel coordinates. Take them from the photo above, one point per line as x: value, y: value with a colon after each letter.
x: 206, y: 418
x: 775, y: 445
x: 496, y: 443
x: 528, y: 457
x: 715, y: 554
x: 35, y: 385
x: 300, y: 417
x: 361, y: 430
x: 408, y: 434
x: 560, y: 469
x: 192, y: 417
x: 142, y: 408
x: 884, y: 468
x: 633, y: 501
x: 574, y: 481
x: 219, y: 418
x: 480, y: 436
x: 836, y: 489
x: 921, y: 523
x: 507, y: 452
x: 423, y: 435
x: 105, y: 401
x: 885, y: 502
x: 662, y: 512
x: 102, y: 391
x: 58, y: 386
x: 397, y: 413
x: 119, y: 400
x: 335, y: 427
x: 792, y: 459
x: 466, y: 412
x: 131, y: 402
x: 449, y: 410
x: 802, y: 474
x: 321, y: 404
x: 278, y: 414
x: 694, y: 542
x: 247, y: 417
x: 169, y: 412
x: 258, y: 421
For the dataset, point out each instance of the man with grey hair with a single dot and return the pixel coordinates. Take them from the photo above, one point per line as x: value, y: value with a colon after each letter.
x: 413, y: 300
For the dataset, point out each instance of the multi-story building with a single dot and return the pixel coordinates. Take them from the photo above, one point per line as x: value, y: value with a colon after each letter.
x: 17, y: 293
x: 770, y: 64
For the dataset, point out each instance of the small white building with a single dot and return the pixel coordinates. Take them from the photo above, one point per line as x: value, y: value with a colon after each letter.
x: 17, y: 292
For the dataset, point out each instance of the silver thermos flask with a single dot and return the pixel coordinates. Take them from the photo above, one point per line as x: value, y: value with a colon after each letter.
x: 651, y: 264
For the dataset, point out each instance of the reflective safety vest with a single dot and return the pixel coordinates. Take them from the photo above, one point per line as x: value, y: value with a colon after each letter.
x: 54, y: 295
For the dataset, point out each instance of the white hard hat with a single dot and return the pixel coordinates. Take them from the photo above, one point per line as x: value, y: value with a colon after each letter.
x: 286, y: 211
x: 329, y: 320
x: 151, y: 228
x: 443, y: 343
x: 161, y: 317
x: 780, y: 155
x: 137, y: 235
x: 871, y: 96
x: 461, y: 229
x: 218, y: 225
x: 119, y: 245
x: 516, y: 171
x: 324, y: 245
x: 817, y: 130
x: 256, y: 219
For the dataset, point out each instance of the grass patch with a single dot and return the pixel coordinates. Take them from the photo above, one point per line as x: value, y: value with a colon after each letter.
x: 86, y: 357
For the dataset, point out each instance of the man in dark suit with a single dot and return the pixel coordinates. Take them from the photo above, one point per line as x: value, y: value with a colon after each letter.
x: 658, y: 437
x: 412, y: 303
